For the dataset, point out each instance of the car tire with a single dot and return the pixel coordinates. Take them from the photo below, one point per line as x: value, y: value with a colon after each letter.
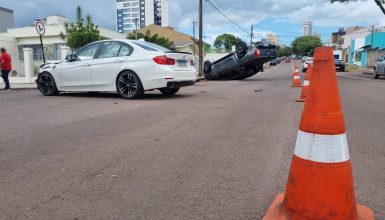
x: 129, y: 85
x: 169, y: 91
x: 376, y: 76
x: 46, y: 84
x: 207, y: 67
x: 241, y: 49
x: 304, y: 70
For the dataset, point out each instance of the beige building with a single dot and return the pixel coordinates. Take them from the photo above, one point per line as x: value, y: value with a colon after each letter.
x: 272, y: 39
x: 16, y: 39
x: 182, y: 42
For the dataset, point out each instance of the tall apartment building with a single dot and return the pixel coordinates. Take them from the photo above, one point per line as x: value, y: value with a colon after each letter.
x: 136, y: 14
x: 307, y: 28
x: 6, y: 19
x: 272, y: 38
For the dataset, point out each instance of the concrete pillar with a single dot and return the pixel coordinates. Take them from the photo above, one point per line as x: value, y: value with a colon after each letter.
x: 28, y: 64
x: 64, y: 51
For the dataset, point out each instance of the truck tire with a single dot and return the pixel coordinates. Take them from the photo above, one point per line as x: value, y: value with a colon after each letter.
x: 207, y: 66
x: 241, y: 49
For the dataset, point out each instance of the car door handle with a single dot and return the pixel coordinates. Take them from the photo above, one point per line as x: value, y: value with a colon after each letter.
x: 119, y: 61
x: 86, y: 65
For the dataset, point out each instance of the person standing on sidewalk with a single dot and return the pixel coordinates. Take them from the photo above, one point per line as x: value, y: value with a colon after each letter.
x: 6, y: 66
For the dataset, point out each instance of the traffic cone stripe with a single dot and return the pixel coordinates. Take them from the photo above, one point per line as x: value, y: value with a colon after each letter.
x: 296, y: 70
x: 296, y: 77
x: 306, y: 83
x: 322, y: 148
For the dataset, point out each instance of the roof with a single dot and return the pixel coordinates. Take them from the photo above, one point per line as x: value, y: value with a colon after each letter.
x: 6, y: 10
x: 177, y: 37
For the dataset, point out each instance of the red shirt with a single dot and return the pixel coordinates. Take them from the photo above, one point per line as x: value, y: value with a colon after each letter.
x: 7, y: 65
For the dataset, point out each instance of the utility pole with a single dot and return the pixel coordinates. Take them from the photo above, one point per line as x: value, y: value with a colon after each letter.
x: 372, y: 35
x: 251, y: 35
x: 200, y: 37
x: 194, y: 37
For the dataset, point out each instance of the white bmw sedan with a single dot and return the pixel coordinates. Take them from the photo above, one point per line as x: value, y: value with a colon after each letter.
x: 127, y: 67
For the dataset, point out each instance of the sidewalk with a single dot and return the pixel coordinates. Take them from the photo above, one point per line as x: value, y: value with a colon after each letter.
x: 20, y: 85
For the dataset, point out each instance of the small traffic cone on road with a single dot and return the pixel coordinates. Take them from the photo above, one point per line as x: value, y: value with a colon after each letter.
x: 296, y: 78
x: 320, y: 183
x: 306, y: 84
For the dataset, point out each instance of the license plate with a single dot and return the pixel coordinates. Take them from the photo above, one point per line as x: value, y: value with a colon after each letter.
x: 182, y: 63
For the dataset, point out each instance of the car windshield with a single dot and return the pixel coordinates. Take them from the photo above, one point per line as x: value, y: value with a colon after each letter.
x: 151, y: 46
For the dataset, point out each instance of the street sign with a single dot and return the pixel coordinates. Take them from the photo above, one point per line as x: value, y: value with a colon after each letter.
x: 40, y: 28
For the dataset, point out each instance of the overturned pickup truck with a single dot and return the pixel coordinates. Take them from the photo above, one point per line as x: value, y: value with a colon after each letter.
x: 245, y: 62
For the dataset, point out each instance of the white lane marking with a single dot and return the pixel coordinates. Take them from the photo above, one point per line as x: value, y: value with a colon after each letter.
x: 322, y: 148
x: 354, y: 77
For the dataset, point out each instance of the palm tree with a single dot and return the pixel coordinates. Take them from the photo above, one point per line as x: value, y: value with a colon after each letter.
x: 156, y: 39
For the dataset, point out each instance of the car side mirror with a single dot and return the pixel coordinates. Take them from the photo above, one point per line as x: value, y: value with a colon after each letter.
x: 71, y: 57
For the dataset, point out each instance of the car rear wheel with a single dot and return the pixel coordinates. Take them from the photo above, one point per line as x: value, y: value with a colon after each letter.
x: 169, y: 91
x: 46, y: 84
x: 129, y: 85
x: 375, y: 75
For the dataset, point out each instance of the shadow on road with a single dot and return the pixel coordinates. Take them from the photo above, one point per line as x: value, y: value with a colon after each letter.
x: 100, y: 95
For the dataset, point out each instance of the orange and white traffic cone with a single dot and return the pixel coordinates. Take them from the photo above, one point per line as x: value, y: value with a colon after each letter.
x: 306, y: 84
x: 320, y: 183
x: 296, y: 78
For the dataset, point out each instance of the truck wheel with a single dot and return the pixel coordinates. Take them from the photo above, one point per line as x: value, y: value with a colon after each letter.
x: 241, y: 49
x: 207, y: 66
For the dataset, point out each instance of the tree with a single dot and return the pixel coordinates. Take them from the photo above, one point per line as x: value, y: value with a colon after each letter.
x: 284, y: 52
x: 81, y: 32
x: 378, y: 2
x: 156, y: 39
x: 226, y: 41
x: 305, y: 45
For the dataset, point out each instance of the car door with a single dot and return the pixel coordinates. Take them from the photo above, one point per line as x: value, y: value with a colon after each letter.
x: 107, y: 64
x: 76, y: 75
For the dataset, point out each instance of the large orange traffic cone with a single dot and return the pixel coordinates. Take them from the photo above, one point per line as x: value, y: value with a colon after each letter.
x: 296, y: 78
x: 306, y: 84
x: 320, y: 183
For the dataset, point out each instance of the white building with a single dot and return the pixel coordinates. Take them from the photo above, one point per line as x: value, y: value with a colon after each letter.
x: 307, y: 28
x: 16, y: 39
x: 136, y: 14
x: 6, y: 19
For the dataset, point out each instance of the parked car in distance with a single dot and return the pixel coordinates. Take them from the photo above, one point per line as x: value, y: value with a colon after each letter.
x: 274, y: 62
x: 126, y: 67
x: 379, y: 68
x: 307, y: 60
x: 245, y: 62
x: 340, y: 66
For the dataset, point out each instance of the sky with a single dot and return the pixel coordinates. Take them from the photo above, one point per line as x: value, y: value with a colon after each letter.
x: 282, y: 17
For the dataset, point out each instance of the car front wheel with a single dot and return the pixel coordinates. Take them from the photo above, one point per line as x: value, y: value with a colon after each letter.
x: 46, y: 84
x: 168, y: 91
x: 129, y: 85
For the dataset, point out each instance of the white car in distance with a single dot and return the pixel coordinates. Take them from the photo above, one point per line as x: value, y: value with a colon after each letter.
x: 307, y: 61
x: 127, y: 67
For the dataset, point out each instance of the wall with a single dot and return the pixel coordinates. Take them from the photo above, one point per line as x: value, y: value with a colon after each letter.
x: 372, y: 55
x: 6, y: 19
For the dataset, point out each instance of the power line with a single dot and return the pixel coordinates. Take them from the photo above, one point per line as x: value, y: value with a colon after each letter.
x: 228, y: 18
x: 223, y: 7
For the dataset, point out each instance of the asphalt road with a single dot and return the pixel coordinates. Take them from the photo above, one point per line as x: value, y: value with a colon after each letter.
x: 218, y: 150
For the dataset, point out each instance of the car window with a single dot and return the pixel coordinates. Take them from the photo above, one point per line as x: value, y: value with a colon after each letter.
x: 109, y: 49
x: 151, y: 46
x: 124, y: 51
x: 88, y: 52
x: 382, y: 58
